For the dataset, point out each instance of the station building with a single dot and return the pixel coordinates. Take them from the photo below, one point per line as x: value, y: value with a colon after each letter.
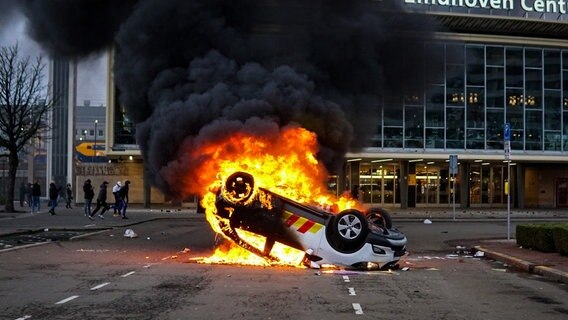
x: 495, y: 63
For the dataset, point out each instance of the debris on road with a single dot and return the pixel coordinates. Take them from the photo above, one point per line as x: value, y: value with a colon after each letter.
x: 427, y: 221
x: 479, y: 254
x: 129, y: 233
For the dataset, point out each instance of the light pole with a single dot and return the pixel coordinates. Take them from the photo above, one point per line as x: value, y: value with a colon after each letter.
x: 95, y: 144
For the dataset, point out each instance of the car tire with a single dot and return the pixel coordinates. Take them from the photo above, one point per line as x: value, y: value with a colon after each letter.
x: 348, y: 230
x: 238, y: 188
x: 380, y: 217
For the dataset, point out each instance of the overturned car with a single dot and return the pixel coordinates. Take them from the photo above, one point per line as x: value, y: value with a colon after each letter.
x: 350, y: 238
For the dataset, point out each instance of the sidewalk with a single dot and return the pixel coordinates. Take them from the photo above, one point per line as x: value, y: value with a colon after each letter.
x: 550, y: 265
x: 75, y: 219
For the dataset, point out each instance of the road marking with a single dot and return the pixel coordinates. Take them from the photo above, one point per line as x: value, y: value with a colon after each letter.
x: 67, y: 299
x: 100, y: 286
x: 24, y: 317
x: 352, y: 291
x: 128, y: 274
x: 357, y: 308
x: 346, y: 278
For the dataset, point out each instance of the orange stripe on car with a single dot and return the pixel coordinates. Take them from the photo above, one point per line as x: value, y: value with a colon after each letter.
x: 301, y: 224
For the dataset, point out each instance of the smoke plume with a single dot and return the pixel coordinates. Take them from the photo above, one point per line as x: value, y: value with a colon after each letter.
x: 191, y: 71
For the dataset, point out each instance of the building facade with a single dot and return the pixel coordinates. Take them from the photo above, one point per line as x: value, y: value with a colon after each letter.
x: 506, y: 63
x: 490, y: 64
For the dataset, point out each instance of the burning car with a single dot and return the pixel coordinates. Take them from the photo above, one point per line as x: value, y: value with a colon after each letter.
x: 350, y: 238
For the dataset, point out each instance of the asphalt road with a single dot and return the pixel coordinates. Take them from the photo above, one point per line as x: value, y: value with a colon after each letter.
x: 108, y: 276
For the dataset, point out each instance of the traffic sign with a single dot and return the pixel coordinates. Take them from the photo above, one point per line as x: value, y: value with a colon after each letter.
x: 453, y: 164
x: 507, y: 131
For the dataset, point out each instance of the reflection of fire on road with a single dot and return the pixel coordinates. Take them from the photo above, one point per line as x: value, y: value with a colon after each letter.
x: 285, y: 164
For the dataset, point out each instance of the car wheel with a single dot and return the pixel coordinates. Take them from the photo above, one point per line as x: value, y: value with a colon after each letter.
x: 380, y: 217
x: 238, y: 188
x: 349, y: 230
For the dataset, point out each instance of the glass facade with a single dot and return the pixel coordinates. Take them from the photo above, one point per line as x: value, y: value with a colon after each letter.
x: 471, y: 90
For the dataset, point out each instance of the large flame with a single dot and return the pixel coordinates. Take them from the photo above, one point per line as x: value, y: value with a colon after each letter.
x: 286, y: 165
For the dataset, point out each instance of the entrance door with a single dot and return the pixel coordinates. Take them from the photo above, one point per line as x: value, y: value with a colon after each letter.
x: 562, y: 193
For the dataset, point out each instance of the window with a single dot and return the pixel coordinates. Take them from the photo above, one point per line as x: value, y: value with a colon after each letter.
x: 475, y: 57
x: 414, y: 127
x: 514, y: 67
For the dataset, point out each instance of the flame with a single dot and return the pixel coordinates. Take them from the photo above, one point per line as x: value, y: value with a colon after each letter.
x: 285, y: 164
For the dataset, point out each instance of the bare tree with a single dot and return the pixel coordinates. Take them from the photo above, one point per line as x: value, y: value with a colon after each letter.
x: 24, y: 106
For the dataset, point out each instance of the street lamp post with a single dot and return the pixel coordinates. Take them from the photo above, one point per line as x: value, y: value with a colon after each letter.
x: 95, y: 144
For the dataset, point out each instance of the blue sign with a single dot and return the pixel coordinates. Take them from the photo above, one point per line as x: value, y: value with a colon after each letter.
x: 507, y: 131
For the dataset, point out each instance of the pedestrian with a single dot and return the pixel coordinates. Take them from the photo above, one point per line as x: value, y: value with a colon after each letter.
x: 123, y: 193
x: 53, y: 195
x: 29, y: 194
x: 101, y: 201
x: 69, y: 192
x: 89, y: 194
x: 23, y: 191
x: 36, y: 193
x: 117, y: 200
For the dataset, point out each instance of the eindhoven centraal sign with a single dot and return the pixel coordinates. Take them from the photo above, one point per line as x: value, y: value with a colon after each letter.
x: 544, y: 6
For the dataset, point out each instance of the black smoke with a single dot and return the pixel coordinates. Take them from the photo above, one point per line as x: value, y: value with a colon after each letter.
x: 75, y: 28
x: 189, y: 71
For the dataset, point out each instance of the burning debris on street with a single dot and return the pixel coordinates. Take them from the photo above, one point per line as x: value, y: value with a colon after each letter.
x: 279, y: 89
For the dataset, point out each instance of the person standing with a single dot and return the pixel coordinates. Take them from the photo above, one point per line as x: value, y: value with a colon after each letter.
x: 36, y: 193
x: 29, y: 194
x: 53, y: 195
x: 101, y: 201
x: 69, y: 192
x: 123, y: 195
x: 23, y: 191
x: 89, y: 194
x: 117, y: 200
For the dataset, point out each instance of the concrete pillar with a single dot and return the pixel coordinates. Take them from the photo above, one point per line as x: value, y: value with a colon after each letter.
x: 464, y: 170
x: 147, y: 188
x: 403, y: 181
x: 519, y: 183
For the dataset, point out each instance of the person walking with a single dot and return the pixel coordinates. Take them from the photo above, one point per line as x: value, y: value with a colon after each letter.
x: 123, y: 194
x: 36, y: 193
x: 89, y: 194
x: 29, y: 194
x: 101, y: 201
x: 23, y: 191
x: 53, y: 195
x: 117, y: 200
x: 69, y: 198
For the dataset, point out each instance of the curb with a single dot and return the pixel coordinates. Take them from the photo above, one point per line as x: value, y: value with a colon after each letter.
x: 528, y: 267
x: 551, y: 273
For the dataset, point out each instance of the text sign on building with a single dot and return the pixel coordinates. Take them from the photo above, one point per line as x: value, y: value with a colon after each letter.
x: 542, y: 6
x: 453, y: 164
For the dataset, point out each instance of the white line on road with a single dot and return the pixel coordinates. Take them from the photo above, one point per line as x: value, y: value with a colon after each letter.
x: 357, y: 308
x: 352, y: 291
x: 24, y: 317
x: 67, y: 299
x: 346, y: 278
x: 128, y: 274
x: 100, y: 286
